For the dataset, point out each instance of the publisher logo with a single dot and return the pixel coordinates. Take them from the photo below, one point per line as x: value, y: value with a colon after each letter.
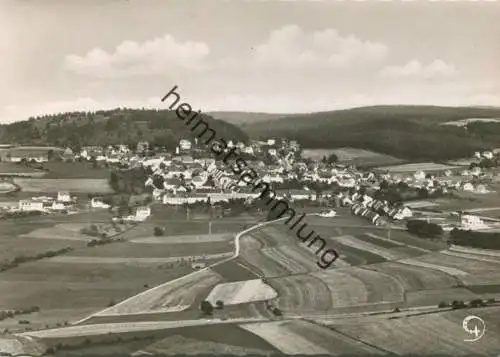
x: 475, y: 328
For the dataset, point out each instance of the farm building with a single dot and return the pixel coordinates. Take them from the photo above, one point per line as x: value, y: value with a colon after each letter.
x: 96, y: 202
x: 472, y: 222
x: 63, y: 196
x: 27, y: 205
x: 185, y: 144
x: 28, y: 153
x: 141, y: 213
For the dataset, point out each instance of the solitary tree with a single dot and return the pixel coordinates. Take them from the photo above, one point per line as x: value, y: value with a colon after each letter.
x: 219, y: 304
x: 206, y: 307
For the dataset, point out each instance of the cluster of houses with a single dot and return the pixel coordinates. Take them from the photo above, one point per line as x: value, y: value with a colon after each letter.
x: 62, y: 202
x: 376, y: 211
x: 192, y: 175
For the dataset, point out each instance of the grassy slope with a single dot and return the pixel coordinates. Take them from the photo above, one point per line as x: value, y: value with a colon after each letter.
x: 403, y: 131
x: 247, y: 118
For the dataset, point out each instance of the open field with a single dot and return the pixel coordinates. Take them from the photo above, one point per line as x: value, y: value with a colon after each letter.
x: 301, y: 293
x: 302, y: 337
x: 368, y: 246
x: 184, y: 340
x: 15, y: 240
x: 469, y: 266
x: 66, y: 231
x: 20, y: 345
x: 179, y: 344
x: 67, y: 259
x: 183, y: 227
x: 429, y: 334
x: 353, y: 156
x: 416, y: 278
x: 424, y: 166
x: 464, y: 122
x: 14, y: 169
x: 463, y: 201
x: 235, y: 270
x: 115, y: 328
x: 72, y: 170
x: 71, y: 291
x: 153, y: 250
x: 338, y: 288
x: 175, y: 295
x: 76, y: 185
x: 241, y: 292
x: 185, y: 239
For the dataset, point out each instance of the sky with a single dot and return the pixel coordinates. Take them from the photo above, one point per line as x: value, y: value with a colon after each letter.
x: 259, y: 56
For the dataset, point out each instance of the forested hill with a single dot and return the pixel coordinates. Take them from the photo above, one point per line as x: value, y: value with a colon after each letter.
x: 119, y: 126
x: 411, y: 132
x: 247, y: 118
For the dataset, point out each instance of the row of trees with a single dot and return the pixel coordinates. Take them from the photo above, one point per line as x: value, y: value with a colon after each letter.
x: 460, y: 304
x: 483, y: 240
x: 21, y: 259
x: 22, y: 311
x: 423, y: 228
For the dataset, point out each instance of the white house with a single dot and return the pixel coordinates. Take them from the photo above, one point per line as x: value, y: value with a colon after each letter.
x: 141, y: 213
x: 248, y: 150
x: 27, y: 205
x: 481, y: 189
x: 403, y: 213
x: 96, y: 202
x: 419, y: 175
x: 472, y: 222
x: 185, y: 144
x: 488, y: 155
x: 468, y: 187
x: 272, y: 151
x: 63, y: 196
x: 57, y: 206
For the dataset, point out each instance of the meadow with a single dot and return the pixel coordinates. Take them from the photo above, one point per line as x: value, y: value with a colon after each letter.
x: 414, y: 167
x: 73, y: 185
x: 353, y: 156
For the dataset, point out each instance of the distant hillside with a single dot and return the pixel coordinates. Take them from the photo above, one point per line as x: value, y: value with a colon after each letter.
x: 119, y: 126
x: 410, y: 132
x: 246, y: 118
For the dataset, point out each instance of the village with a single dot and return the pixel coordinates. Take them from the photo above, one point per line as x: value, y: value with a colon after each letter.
x: 190, y: 175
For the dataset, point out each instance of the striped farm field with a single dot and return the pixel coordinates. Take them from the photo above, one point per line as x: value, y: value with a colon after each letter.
x: 302, y: 293
x: 184, y: 239
x: 82, y: 185
x: 380, y: 287
x: 470, y: 266
x: 176, y: 295
x: 369, y: 247
x: 425, y: 166
x: 242, y: 292
x: 306, y: 338
x: 416, y: 278
x: 72, y: 259
x: 262, y: 264
x: 438, y: 333
x: 492, y: 278
x: 435, y: 296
